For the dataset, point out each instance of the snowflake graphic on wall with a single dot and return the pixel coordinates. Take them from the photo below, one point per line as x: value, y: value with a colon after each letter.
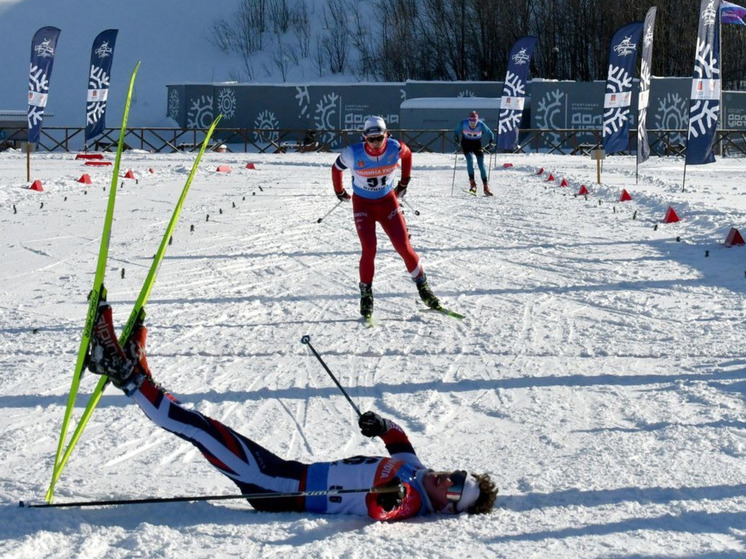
x: 672, y: 115
x: 174, y: 103
x: 199, y: 114
x: 266, y: 124
x: 227, y: 102
x: 549, y: 113
x: 326, y: 111
x: 303, y: 98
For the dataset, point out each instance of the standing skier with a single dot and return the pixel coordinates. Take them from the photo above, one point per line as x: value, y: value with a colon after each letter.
x: 372, y: 164
x: 392, y: 488
x: 469, y: 133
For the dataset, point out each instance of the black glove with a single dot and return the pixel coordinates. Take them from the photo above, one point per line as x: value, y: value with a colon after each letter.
x: 490, y: 147
x: 390, y: 500
x: 401, y: 188
x: 456, y: 139
x: 342, y: 196
x: 372, y: 425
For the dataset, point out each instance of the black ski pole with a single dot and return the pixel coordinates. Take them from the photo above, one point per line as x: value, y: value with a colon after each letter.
x: 330, y: 211
x: 409, y: 206
x: 187, y: 498
x: 307, y: 340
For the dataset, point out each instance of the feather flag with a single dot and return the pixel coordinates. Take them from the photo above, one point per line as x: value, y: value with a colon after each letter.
x: 514, y: 92
x: 704, y: 104
x: 732, y: 13
x: 43, y: 49
x: 99, y: 77
x: 622, y: 58
x: 643, y: 147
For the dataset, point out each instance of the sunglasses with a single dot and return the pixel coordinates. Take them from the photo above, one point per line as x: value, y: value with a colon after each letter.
x: 458, y: 479
x: 374, y: 139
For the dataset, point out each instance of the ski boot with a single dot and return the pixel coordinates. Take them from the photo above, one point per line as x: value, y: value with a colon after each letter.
x: 108, y: 358
x: 472, y: 187
x: 487, y: 191
x: 426, y: 293
x: 366, y: 299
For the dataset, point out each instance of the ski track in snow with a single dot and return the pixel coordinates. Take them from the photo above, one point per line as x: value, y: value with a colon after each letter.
x: 598, y: 376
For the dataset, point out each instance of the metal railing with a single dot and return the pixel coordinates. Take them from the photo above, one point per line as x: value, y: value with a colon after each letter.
x: 729, y: 143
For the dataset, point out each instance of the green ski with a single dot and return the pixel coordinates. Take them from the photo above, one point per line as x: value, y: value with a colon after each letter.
x: 138, y: 311
x: 98, y: 292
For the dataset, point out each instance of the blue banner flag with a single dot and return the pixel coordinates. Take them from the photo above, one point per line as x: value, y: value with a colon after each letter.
x: 514, y: 92
x: 732, y: 13
x: 643, y: 147
x: 622, y: 58
x: 43, y: 49
x: 704, y: 103
x: 102, y: 56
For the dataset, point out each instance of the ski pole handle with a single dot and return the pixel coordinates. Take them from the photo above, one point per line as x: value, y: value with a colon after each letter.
x: 307, y: 341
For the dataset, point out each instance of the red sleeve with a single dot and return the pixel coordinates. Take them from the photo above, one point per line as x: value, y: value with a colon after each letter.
x: 405, y: 154
x: 396, y: 439
x: 409, y: 507
x: 337, y: 179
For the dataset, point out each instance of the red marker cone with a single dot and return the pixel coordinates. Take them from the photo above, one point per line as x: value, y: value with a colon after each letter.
x: 564, y: 182
x: 85, y: 178
x: 625, y: 196
x: 550, y: 178
x: 734, y: 238
x: 541, y: 171
x: 583, y: 190
x: 129, y: 175
x: 250, y: 166
x: 151, y: 170
x: 89, y: 156
x: 98, y: 163
x: 224, y: 169
x: 36, y: 185
x: 671, y: 216
x: 507, y: 165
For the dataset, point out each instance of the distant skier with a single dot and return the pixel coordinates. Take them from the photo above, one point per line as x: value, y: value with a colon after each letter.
x: 413, y: 489
x: 372, y: 164
x: 469, y: 133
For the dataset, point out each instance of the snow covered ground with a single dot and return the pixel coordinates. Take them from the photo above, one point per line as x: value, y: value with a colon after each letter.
x: 599, y: 376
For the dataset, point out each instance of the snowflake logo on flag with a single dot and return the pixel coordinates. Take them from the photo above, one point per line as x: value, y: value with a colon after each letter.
x: 510, y: 118
x: 104, y: 50
x: 626, y: 47
x: 199, y: 114
x: 521, y: 58
x: 44, y: 49
x: 174, y: 102
x: 227, y: 102
x: 96, y: 106
x: 326, y: 117
x: 266, y: 120
x: 648, y: 39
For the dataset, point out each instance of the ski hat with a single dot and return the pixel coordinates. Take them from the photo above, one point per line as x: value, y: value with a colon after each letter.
x: 374, y: 126
x: 469, y: 494
x: 473, y: 116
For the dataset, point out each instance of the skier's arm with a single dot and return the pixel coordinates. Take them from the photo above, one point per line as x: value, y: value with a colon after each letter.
x: 399, y: 505
x: 337, y: 171
x: 405, y: 154
x: 396, y: 440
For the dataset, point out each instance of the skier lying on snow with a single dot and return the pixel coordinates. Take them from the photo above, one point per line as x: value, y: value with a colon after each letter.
x: 418, y: 490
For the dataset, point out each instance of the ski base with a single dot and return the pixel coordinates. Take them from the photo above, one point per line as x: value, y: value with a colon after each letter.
x: 369, y: 322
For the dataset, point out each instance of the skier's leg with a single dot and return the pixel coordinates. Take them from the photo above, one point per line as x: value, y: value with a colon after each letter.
x: 366, y: 232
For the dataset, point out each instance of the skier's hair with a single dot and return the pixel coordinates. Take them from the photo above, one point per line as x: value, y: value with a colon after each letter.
x: 487, y: 495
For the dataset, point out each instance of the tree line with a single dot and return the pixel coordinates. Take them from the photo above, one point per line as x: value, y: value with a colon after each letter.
x: 396, y: 40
